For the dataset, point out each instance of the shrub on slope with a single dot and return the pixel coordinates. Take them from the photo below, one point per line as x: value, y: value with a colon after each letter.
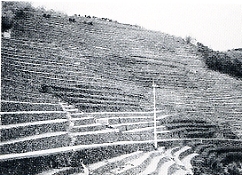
x: 225, y: 62
x: 223, y: 158
x: 12, y: 10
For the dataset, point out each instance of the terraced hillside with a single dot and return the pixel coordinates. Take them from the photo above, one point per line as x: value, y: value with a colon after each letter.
x: 81, y: 90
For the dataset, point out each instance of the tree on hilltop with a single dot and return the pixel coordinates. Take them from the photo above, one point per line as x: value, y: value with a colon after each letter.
x: 12, y: 10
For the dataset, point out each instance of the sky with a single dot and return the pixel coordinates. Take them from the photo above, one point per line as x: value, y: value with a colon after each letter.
x: 217, y: 24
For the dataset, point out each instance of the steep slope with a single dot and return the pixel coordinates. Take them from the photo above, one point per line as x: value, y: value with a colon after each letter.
x: 110, y: 66
x: 58, y: 75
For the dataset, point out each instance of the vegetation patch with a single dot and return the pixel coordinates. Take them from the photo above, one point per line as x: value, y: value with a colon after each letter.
x: 13, y: 10
x: 229, y: 62
x: 221, y: 158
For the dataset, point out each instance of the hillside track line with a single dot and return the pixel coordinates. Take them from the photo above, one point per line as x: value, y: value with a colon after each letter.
x: 65, y: 79
x: 66, y: 149
x: 164, y: 168
x: 33, y: 112
x: 29, y: 138
x: 139, y: 130
x: 132, y: 123
x: 187, y: 160
x: 54, y: 171
x: 24, y: 102
x: 180, y: 172
x: 153, y: 165
x: 133, y: 163
x: 116, y: 113
x: 183, y: 149
x: 9, y: 126
x: 103, y: 163
x: 45, y: 61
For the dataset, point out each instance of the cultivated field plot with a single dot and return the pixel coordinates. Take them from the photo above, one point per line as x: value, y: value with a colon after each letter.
x: 77, y: 97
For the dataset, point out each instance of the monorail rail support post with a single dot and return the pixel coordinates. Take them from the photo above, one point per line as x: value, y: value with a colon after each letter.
x: 155, y: 133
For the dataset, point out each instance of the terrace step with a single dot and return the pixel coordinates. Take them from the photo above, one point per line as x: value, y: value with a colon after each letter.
x: 122, y: 120
x: 131, y: 126
x: 69, y: 106
x: 164, y: 168
x: 128, y: 165
x: 9, y: 106
x: 181, y: 150
x: 53, y: 171
x: 153, y: 165
x: 14, y: 131
x: 143, y: 133
x: 71, y: 170
x: 180, y: 172
x: 90, y: 127
x: 107, y: 164
x: 174, y: 155
x: 133, y: 164
x: 199, y: 134
x: 184, y: 125
x: 8, y: 119
x: 35, y: 144
x: 96, y: 137
x: 137, y: 136
x: 71, y: 110
x: 187, y: 161
x: 83, y: 120
x: 128, y: 114
x: 147, y: 129
x: 143, y: 164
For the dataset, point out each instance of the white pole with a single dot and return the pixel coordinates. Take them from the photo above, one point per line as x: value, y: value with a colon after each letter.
x: 155, y: 134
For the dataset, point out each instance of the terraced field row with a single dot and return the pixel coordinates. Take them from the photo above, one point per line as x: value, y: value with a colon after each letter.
x: 163, y: 161
x: 56, y: 86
